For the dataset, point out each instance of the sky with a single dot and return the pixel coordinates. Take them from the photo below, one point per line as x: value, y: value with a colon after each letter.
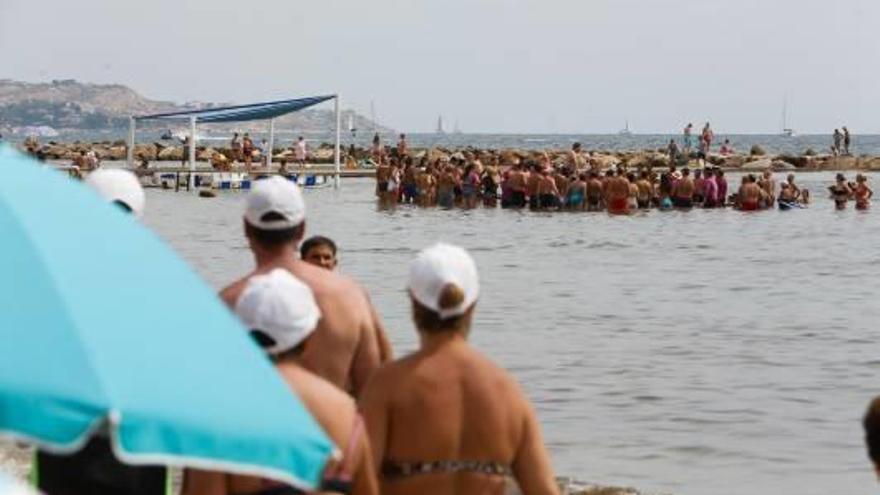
x: 506, y: 66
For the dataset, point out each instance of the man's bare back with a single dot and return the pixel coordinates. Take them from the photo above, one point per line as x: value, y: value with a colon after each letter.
x: 345, y: 349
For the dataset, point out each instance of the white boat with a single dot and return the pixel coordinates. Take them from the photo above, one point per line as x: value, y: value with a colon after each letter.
x: 625, y: 131
x: 440, y: 125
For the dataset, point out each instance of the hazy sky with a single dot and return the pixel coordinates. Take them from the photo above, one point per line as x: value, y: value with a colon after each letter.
x: 579, y: 66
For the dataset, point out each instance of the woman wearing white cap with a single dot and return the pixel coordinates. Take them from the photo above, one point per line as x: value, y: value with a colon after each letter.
x: 282, y: 315
x: 446, y: 419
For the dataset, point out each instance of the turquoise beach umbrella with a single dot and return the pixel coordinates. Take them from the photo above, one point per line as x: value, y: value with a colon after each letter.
x: 102, y: 324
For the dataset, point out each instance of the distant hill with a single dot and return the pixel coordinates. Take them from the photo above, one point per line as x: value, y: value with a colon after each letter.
x: 71, y: 105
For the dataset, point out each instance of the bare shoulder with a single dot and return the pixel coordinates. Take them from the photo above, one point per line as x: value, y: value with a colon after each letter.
x: 320, y: 394
x: 326, y: 282
x: 231, y: 292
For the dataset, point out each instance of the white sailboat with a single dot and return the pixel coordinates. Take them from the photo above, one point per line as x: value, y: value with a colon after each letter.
x: 786, y: 130
x: 456, y: 130
x: 440, y: 125
x: 625, y: 131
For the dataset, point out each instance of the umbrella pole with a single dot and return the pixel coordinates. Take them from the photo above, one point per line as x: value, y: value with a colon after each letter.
x: 336, y: 151
x: 271, y: 145
x: 192, y: 151
x: 130, y: 151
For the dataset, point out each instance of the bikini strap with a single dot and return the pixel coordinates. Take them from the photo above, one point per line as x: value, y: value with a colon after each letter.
x: 345, y: 469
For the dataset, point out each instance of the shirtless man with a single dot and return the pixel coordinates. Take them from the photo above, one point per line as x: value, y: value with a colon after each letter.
x: 646, y: 191
x: 794, y: 188
x: 516, y: 181
x: 402, y: 147
x: 446, y: 183
x: 548, y: 194
x: 561, y: 180
x: 235, y: 146
x: 383, y: 175
x: 617, y: 194
x: 247, y: 149
x: 426, y: 188
x: 445, y: 419
x: 595, y: 192
x: 575, y: 158
x: 769, y: 186
x: 683, y: 190
x: 633, y: 191
x: 285, y: 332
x: 749, y: 196
x: 698, y: 186
x: 346, y: 346
x: 532, y: 185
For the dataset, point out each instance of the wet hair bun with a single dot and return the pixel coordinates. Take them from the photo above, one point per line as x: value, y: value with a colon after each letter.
x: 450, y: 297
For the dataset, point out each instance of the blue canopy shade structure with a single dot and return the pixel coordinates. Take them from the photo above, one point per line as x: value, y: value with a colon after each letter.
x: 238, y: 113
x: 242, y: 113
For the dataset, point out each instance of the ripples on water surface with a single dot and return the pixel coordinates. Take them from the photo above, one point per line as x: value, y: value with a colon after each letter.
x: 704, y: 352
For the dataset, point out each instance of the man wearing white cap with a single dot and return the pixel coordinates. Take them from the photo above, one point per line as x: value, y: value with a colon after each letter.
x: 282, y: 315
x: 446, y: 419
x: 119, y: 187
x: 345, y: 348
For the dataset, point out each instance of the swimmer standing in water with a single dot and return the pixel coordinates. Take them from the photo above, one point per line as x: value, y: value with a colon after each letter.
x: 646, y: 191
x: 617, y: 193
x: 683, y: 190
x: 840, y: 192
x: 862, y: 192
x: 749, y: 196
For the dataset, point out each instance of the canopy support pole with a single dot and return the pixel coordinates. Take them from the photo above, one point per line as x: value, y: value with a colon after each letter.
x: 336, y: 150
x: 192, y: 151
x: 130, y: 152
x: 271, y: 144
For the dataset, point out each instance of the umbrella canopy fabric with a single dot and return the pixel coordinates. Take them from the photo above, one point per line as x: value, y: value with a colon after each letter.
x: 102, y: 324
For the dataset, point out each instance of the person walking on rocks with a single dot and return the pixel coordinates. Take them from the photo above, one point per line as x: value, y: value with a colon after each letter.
x: 846, y: 141
x: 836, y: 146
x: 301, y: 151
x: 706, y: 140
x: 688, y: 139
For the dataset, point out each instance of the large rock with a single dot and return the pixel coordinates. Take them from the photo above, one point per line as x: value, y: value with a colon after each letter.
x: 171, y: 153
x: 205, y: 154
x: 760, y: 165
x: 115, y: 153
x: 145, y: 152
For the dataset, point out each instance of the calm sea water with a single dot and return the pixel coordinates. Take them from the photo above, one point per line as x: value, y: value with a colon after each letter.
x: 702, y: 352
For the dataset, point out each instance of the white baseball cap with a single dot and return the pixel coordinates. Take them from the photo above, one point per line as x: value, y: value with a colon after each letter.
x: 118, y: 186
x: 439, y: 266
x: 278, y: 309
x: 275, y: 195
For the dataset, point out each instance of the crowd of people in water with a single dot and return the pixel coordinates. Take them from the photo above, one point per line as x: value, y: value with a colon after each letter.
x: 581, y: 185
